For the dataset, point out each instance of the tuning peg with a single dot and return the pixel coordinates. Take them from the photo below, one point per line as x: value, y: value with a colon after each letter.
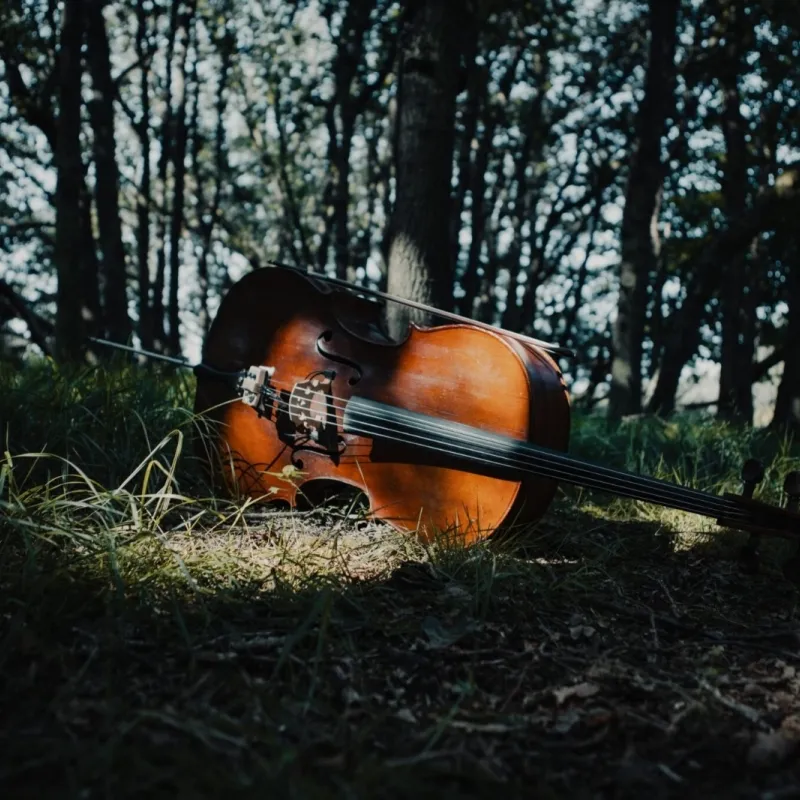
x: 791, y: 487
x: 752, y: 474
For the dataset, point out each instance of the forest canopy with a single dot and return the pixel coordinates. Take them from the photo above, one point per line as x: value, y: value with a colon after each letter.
x: 617, y: 176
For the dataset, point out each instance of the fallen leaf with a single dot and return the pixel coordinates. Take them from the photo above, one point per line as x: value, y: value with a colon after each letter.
x: 455, y: 592
x: 439, y: 636
x: 581, y: 630
x: 350, y: 695
x: 406, y: 714
x: 580, y: 690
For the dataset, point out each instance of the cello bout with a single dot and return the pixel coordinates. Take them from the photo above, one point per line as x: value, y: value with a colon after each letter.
x: 325, y: 352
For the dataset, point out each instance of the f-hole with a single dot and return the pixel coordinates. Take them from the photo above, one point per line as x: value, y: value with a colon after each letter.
x: 325, y: 338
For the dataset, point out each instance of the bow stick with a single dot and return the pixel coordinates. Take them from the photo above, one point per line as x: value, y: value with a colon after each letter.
x: 548, y: 347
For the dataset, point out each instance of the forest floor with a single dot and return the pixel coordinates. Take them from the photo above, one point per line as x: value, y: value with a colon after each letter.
x: 157, y: 644
x: 308, y: 655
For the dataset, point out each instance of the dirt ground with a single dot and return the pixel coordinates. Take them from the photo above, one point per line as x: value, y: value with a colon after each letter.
x: 604, y: 660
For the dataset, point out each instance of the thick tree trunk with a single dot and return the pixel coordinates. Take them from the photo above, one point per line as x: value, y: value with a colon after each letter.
x: 69, y: 245
x: 639, y: 235
x: 101, y: 108
x: 420, y: 266
x: 738, y: 309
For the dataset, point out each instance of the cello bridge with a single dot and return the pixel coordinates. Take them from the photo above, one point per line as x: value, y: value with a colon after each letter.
x: 311, y: 408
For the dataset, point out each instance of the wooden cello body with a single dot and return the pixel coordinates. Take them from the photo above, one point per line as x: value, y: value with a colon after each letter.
x: 325, y: 348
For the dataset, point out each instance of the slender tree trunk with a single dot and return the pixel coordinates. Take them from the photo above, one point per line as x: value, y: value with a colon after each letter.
x: 91, y: 276
x: 349, y: 55
x: 779, y: 201
x: 177, y: 217
x: 680, y: 344
x: 69, y: 244
x: 476, y: 80
x: 738, y: 309
x: 341, y: 204
x: 571, y: 314
x: 101, y: 109
x: 471, y: 280
x: 144, y: 197
x: 167, y: 138
x: 420, y: 265
x: 469, y: 304
x: 639, y: 235
x: 787, y: 404
x: 537, y: 129
x: 301, y: 255
x: 220, y: 171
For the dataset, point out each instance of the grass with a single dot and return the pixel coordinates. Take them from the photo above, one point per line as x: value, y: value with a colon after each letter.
x: 157, y: 641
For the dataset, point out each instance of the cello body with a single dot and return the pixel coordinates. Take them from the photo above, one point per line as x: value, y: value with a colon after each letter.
x: 327, y: 347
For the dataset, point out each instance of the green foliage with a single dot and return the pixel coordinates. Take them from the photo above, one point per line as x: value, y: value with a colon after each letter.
x: 157, y: 643
x: 104, y: 421
x: 693, y: 449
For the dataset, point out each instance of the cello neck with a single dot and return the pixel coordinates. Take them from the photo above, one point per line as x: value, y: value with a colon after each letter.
x: 514, y: 459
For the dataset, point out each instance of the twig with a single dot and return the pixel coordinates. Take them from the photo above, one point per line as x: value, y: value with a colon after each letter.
x: 749, y: 713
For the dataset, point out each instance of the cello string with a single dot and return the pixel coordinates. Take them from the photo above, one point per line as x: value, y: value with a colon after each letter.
x: 433, y: 425
x: 705, y: 504
x: 657, y: 491
x: 655, y: 488
x: 662, y: 488
x: 702, y: 508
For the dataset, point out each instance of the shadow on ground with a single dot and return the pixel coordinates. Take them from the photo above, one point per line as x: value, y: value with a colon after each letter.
x: 600, y: 661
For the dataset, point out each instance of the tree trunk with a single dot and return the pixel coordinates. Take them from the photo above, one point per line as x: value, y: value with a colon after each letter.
x: 226, y: 45
x: 101, y: 108
x: 90, y: 267
x: 786, y: 416
x: 738, y: 309
x: 779, y: 201
x: 475, y: 80
x: 177, y: 216
x: 570, y: 324
x: 349, y: 54
x: 471, y: 282
x: 639, y: 235
x: 69, y: 244
x: 420, y: 265
x: 144, y: 197
x: 167, y: 138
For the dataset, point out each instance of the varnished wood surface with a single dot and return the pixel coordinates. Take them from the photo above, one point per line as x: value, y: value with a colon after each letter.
x: 457, y: 372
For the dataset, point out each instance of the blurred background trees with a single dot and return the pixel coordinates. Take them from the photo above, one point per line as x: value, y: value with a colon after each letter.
x: 619, y: 176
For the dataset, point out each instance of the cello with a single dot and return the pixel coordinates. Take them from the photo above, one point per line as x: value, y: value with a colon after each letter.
x: 459, y: 430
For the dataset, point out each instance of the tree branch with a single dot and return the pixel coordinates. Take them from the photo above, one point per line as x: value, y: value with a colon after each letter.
x: 39, y: 327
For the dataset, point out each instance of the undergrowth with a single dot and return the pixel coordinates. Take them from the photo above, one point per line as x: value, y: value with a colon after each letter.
x: 159, y: 640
